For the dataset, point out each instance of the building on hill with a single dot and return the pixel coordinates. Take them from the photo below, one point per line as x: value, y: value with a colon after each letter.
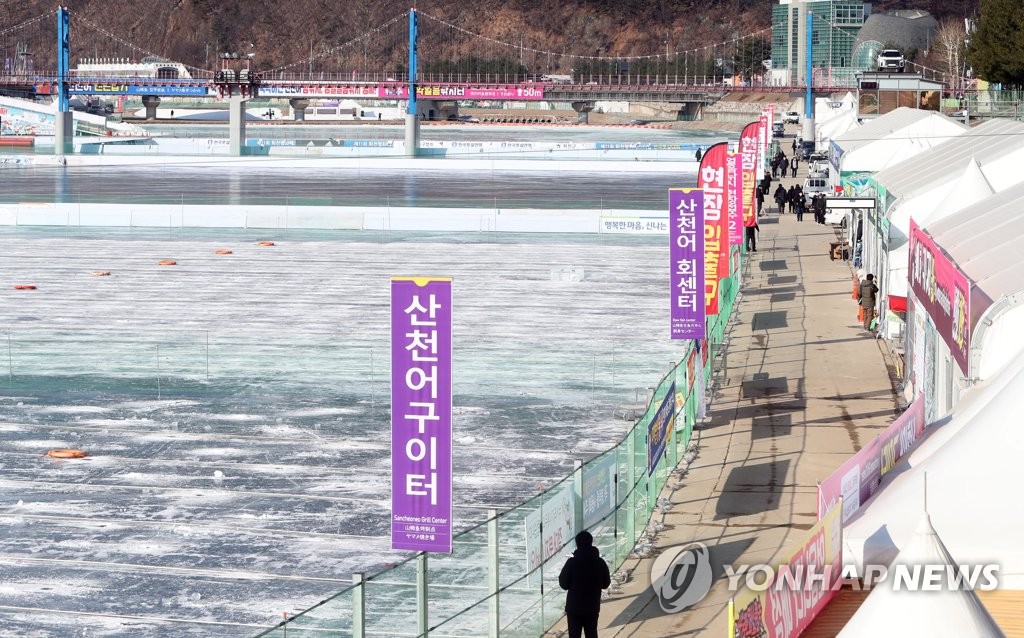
x: 905, y: 30
x: 835, y: 28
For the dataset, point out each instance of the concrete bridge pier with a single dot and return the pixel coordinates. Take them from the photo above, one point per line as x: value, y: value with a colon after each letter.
x: 412, y: 134
x: 63, y: 133
x: 582, y: 109
x: 236, y: 124
x: 689, y: 111
x: 299, y: 106
x: 150, y: 102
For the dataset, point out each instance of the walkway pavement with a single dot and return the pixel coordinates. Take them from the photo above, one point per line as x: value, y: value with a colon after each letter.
x: 800, y: 386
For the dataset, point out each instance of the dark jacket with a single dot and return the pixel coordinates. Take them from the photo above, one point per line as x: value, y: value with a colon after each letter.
x: 584, y: 576
x: 866, y: 294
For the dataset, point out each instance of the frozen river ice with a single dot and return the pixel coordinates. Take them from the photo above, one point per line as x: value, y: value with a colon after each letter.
x: 235, y: 407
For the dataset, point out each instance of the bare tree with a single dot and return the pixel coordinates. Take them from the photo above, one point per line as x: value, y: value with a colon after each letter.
x: 950, y: 47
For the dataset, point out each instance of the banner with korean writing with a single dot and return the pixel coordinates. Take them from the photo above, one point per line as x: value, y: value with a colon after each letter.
x: 599, y: 490
x: 549, y: 528
x: 734, y: 197
x: 764, y: 130
x: 748, y: 166
x: 801, y: 588
x: 659, y: 429
x: 859, y: 477
x: 686, y: 272
x: 421, y: 413
x: 944, y: 292
x: 711, y: 180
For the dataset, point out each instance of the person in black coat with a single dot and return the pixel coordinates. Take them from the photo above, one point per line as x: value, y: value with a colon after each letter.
x: 584, y: 576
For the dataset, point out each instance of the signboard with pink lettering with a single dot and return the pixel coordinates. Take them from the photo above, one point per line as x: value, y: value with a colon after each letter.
x: 711, y: 180
x: 421, y: 413
x: 462, y: 92
x: 748, y: 166
x: 944, y: 292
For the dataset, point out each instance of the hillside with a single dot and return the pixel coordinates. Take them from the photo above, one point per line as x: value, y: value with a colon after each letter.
x: 194, y: 31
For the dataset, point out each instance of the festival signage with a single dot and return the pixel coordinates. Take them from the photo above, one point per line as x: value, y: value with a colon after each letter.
x: 598, y: 490
x: 686, y: 254
x: 765, y: 129
x: 943, y: 291
x: 421, y: 413
x: 659, y: 429
x: 346, y: 90
x: 748, y: 166
x: 859, y: 477
x: 460, y: 92
x: 787, y: 606
x: 125, y: 88
x: 557, y: 512
x: 711, y: 180
x: 734, y: 198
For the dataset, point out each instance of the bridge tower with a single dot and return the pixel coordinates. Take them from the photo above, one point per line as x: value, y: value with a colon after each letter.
x: 412, y: 123
x: 64, y: 126
x: 236, y: 81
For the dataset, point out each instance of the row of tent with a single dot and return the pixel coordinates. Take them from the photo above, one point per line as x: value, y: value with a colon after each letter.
x: 950, y: 501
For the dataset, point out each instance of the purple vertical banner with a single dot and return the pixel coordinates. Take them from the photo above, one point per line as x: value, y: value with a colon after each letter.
x: 686, y: 233
x: 421, y: 413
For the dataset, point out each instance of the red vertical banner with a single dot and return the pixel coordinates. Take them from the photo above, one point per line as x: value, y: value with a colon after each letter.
x: 734, y: 198
x: 748, y: 167
x: 712, y: 180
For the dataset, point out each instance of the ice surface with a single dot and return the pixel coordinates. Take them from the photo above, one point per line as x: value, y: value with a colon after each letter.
x: 235, y: 408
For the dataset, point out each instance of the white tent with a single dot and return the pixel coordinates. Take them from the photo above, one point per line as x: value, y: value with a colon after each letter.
x: 971, y: 483
x: 894, y: 137
x: 835, y: 127
x: 970, y: 187
x: 941, y: 612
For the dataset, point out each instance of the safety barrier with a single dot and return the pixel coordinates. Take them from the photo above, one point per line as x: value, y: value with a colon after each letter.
x: 501, y: 578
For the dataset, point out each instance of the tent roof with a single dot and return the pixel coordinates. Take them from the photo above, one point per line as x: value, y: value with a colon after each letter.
x: 983, y: 240
x: 837, y: 125
x: 941, y: 612
x: 987, y: 142
x: 893, y: 138
x: 967, y: 478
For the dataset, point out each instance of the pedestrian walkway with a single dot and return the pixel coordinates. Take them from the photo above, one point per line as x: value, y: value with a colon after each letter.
x: 800, y: 387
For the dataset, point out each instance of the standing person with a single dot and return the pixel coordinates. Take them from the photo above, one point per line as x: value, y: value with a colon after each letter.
x: 866, y: 298
x: 801, y: 205
x: 819, y: 209
x: 780, y: 199
x: 759, y: 195
x: 699, y: 154
x: 794, y: 146
x: 750, y: 230
x: 794, y: 163
x: 584, y: 576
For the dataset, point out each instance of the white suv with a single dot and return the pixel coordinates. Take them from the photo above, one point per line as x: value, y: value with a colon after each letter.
x: 891, y: 60
x: 791, y: 117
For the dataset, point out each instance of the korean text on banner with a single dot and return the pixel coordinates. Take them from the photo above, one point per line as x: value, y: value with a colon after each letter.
x: 765, y: 129
x: 748, y: 166
x: 557, y: 511
x: 660, y: 428
x: 421, y: 414
x: 784, y: 609
x: 598, y: 491
x: 944, y: 292
x: 686, y: 273
x: 734, y: 198
x: 711, y: 180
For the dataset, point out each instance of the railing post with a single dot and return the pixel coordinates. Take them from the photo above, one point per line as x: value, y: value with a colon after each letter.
x: 577, y: 488
x: 421, y: 594
x: 358, y: 605
x: 493, y: 580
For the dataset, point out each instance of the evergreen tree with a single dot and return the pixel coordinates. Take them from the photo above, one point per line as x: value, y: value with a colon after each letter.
x: 997, y: 46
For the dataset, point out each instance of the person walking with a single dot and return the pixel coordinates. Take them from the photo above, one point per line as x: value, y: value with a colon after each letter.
x: 780, y: 199
x: 794, y: 164
x: 819, y: 209
x: 801, y: 205
x: 759, y: 195
x: 866, y: 297
x: 750, y: 230
x: 583, y: 576
x: 794, y: 146
x: 784, y: 165
x: 699, y: 154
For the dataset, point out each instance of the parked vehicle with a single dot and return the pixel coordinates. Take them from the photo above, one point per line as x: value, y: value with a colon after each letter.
x: 791, y: 117
x: 891, y: 60
x: 778, y: 129
x: 814, y: 186
x: 818, y: 168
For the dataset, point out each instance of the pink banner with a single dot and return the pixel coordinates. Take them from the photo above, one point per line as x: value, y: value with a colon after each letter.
x: 711, y: 179
x: 734, y: 197
x: 859, y: 477
x: 748, y: 165
x: 945, y: 293
x: 463, y: 92
x: 421, y: 414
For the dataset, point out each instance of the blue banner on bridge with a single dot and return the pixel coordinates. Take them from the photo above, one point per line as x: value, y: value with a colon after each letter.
x: 124, y: 88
